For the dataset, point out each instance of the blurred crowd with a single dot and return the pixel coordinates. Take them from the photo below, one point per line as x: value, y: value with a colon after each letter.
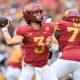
x: 13, y: 10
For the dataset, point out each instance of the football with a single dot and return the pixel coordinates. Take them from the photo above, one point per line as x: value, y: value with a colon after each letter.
x: 3, y: 22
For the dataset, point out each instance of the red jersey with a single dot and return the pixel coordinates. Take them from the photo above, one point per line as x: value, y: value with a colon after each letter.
x: 69, y: 40
x: 34, y: 43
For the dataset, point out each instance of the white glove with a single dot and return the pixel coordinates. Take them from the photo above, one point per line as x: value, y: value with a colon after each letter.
x: 54, y: 47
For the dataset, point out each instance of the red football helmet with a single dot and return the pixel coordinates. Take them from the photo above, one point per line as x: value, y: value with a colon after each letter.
x: 71, y: 12
x: 29, y: 10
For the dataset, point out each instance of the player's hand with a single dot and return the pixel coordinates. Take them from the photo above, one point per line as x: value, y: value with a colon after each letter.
x: 49, y: 41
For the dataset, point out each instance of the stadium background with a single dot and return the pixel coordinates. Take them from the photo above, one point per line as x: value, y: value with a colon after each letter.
x: 12, y: 9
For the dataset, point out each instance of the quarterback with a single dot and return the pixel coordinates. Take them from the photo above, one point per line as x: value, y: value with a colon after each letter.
x: 33, y: 37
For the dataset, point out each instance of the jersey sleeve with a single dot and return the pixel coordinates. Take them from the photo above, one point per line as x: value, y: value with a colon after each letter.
x: 19, y: 31
x: 52, y: 26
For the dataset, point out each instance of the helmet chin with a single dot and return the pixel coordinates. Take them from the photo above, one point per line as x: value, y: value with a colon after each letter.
x: 39, y: 21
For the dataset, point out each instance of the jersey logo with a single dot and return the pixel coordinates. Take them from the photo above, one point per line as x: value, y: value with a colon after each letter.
x: 29, y: 34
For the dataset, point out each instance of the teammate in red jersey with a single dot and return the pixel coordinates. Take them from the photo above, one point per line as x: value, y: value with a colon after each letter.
x: 33, y: 36
x: 69, y: 40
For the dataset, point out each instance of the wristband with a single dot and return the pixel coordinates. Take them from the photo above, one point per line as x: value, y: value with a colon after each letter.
x: 4, y: 29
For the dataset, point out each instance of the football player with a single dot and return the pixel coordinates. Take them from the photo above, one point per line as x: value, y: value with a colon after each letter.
x: 69, y: 41
x: 33, y: 36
